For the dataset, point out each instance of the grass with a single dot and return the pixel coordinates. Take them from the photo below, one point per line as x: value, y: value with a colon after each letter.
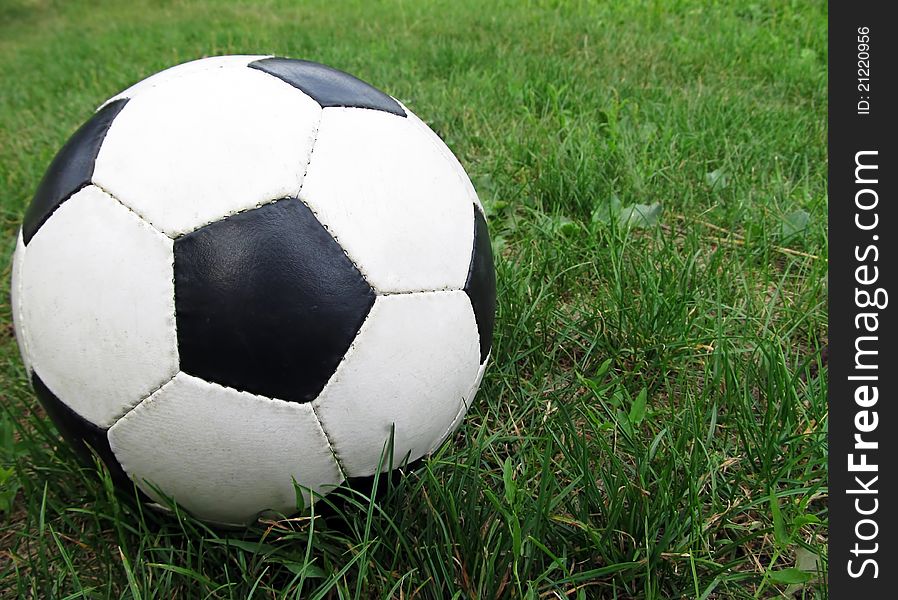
x: 653, y: 422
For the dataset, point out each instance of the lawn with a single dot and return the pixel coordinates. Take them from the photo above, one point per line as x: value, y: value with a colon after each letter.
x: 653, y: 423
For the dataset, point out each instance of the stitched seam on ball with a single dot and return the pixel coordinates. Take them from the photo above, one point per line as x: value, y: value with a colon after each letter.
x: 237, y: 390
x: 112, y: 446
x: 412, y: 292
x: 337, y: 238
x: 218, y: 219
x: 302, y: 180
x: 148, y: 398
x: 346, y: 355
x: 144, y: 399
x: 179, y: 234
x: 174, y: 317
x: 357, y: 266
x: 330, y: 444
x: 176, y: 352
x: 142, y: 218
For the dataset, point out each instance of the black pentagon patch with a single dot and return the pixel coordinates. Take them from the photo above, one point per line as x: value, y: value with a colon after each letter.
x: 481, y: 284
x: 267, y: 302
x: 328, y: 86
x: 71, y: 169
x: 80, y: 433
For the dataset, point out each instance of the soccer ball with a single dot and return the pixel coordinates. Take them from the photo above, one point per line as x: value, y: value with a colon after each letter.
x: 247, y: 270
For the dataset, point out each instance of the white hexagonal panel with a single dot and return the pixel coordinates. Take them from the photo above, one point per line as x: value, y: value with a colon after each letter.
x: 208, y: 144
x: 15, y: 292
x: 98, y: 310
x: 185, y: 69
x: 199, y: 443
x: 412, y: 363
x: 392, y: 199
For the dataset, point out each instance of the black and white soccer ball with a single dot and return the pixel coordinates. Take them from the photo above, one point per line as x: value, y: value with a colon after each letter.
x: 246, y: 270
